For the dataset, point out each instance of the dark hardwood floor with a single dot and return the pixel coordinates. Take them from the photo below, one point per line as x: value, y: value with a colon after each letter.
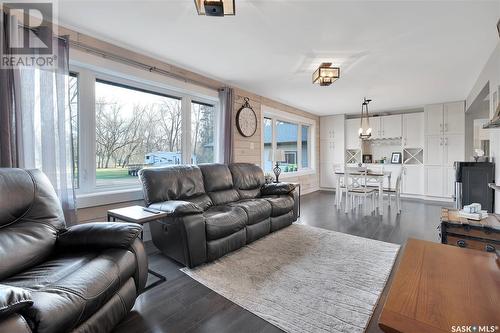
x: 184, y: 305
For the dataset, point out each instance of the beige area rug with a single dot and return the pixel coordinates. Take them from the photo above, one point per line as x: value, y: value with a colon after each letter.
x: 304, y: 279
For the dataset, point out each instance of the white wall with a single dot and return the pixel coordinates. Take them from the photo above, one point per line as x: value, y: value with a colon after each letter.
x: 491, y: 74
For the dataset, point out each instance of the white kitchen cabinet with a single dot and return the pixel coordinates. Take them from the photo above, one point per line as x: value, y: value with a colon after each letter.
x: 332, y: 147
x: 434, y: 150
x: 444, y: 144
x: 454, y: 148
x: 352, y: 140
x: 434, y: 119
x: 449, y: 178
x: 434, y: 181
x: 448, y: 118
x: 332, y: 139
x: 412, y: 180
x: 440, y: 181
x: 376, y: 127
x: 386, y: 127
x: 413, y: 130
x: 390, y: 126
x: 327, y: 175
x: 454, y: 118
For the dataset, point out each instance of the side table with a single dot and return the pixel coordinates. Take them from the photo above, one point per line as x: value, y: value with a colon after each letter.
x: 297, y: 186
x: 139, y: 215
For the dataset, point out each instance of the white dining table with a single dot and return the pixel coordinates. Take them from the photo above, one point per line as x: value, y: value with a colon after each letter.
x: 372, y: 176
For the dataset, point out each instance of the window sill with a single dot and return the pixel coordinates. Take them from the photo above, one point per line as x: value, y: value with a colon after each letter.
x: 113, y: 196
x: 294, y: 174
x: 101, y: 198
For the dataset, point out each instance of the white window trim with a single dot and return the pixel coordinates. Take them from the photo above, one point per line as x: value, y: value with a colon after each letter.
x: 275, y: 114
x: 88, y: 194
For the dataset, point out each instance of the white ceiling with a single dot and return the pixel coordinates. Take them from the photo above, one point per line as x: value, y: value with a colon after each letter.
x: 402, y: 54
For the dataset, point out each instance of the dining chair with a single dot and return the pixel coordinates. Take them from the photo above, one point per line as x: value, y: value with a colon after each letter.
x: 340, y: 187
x: 356, y: 183
x: 395, y: 191
x: 392, y: 190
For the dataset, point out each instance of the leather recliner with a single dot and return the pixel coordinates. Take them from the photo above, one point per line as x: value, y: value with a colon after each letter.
x: 214, y: 208
x: 57, y: 279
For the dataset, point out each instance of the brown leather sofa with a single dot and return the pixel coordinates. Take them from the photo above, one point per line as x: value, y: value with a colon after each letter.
x: 214, y: 208
x: 57, y: 279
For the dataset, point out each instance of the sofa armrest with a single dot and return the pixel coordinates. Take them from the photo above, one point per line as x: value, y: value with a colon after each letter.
x: 13, y: 299
x: 182, y: 238
x: 100, y: 235
x: 177, y: 208
x: 277, y: 188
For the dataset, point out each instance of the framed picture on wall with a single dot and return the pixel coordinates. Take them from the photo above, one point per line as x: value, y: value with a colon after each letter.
x: 396, y: 158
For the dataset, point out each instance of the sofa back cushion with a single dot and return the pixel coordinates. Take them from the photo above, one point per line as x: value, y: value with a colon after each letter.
x: 174, y: 182
x: 248, y: 179
x: 219, y: 183
x: 30, y: 219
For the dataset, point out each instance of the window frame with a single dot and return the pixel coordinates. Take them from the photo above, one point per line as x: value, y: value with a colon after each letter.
x: 88, y: 194
x: 277, y: 115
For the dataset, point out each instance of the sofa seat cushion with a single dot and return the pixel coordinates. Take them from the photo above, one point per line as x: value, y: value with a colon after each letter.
x: 68, y: 289
x: 281, y: 204
x: 222, y: 221
x: 256, y: 209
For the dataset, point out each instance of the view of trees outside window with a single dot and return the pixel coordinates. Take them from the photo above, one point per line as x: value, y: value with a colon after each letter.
x: 305, y: 149
x: 287, y: 135
x: 202, y: 133
x: 134, y: 129
x: 73, y: 112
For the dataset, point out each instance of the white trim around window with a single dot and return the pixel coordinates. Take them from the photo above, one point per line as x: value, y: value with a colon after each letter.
x: 88, y: 194
x: 278, y: 115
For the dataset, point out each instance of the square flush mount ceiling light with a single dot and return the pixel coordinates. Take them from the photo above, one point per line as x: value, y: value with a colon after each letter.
x: 326, y: 74
x: 215, y: 7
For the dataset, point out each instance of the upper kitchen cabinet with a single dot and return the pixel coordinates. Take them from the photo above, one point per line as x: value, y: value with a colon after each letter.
x: 454, y: 118
x: 352, y: 140
x: 413, y: 130
x: 447, y: 118
x: 391, y: 126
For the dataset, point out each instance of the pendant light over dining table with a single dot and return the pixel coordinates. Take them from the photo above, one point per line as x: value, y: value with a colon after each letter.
x: 215, y: 7
x: 365, y: 131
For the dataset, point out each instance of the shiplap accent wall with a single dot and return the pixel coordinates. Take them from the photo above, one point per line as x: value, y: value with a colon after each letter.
x: 250, y: 149
x: 244, y: 149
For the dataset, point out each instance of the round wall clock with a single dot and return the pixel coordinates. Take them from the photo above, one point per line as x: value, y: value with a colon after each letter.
x: 246, y: 120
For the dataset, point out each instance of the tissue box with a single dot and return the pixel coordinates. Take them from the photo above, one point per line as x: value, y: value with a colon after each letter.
x: 472, y: 208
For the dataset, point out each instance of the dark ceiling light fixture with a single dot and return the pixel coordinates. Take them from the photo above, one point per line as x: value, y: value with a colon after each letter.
x: 215, y: 7
x: 326, y: 74
x: 365, y: 131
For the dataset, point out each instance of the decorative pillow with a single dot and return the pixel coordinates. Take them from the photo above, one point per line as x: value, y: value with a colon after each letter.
x: 13, y: 299
x: 277, y: 188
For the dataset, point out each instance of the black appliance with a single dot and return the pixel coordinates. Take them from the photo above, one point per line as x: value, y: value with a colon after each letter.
x: 471, y: 184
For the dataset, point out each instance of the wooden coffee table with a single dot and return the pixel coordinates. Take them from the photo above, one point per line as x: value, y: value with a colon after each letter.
x: 436, y: 287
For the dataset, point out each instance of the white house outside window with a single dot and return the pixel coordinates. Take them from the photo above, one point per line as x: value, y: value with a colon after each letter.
x: 293, y: 138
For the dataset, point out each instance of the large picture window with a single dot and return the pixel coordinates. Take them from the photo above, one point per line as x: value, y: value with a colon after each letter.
x: 202, y: 133
x: 289, y: 140
x: 122, y: 126
x: 134, y: 129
